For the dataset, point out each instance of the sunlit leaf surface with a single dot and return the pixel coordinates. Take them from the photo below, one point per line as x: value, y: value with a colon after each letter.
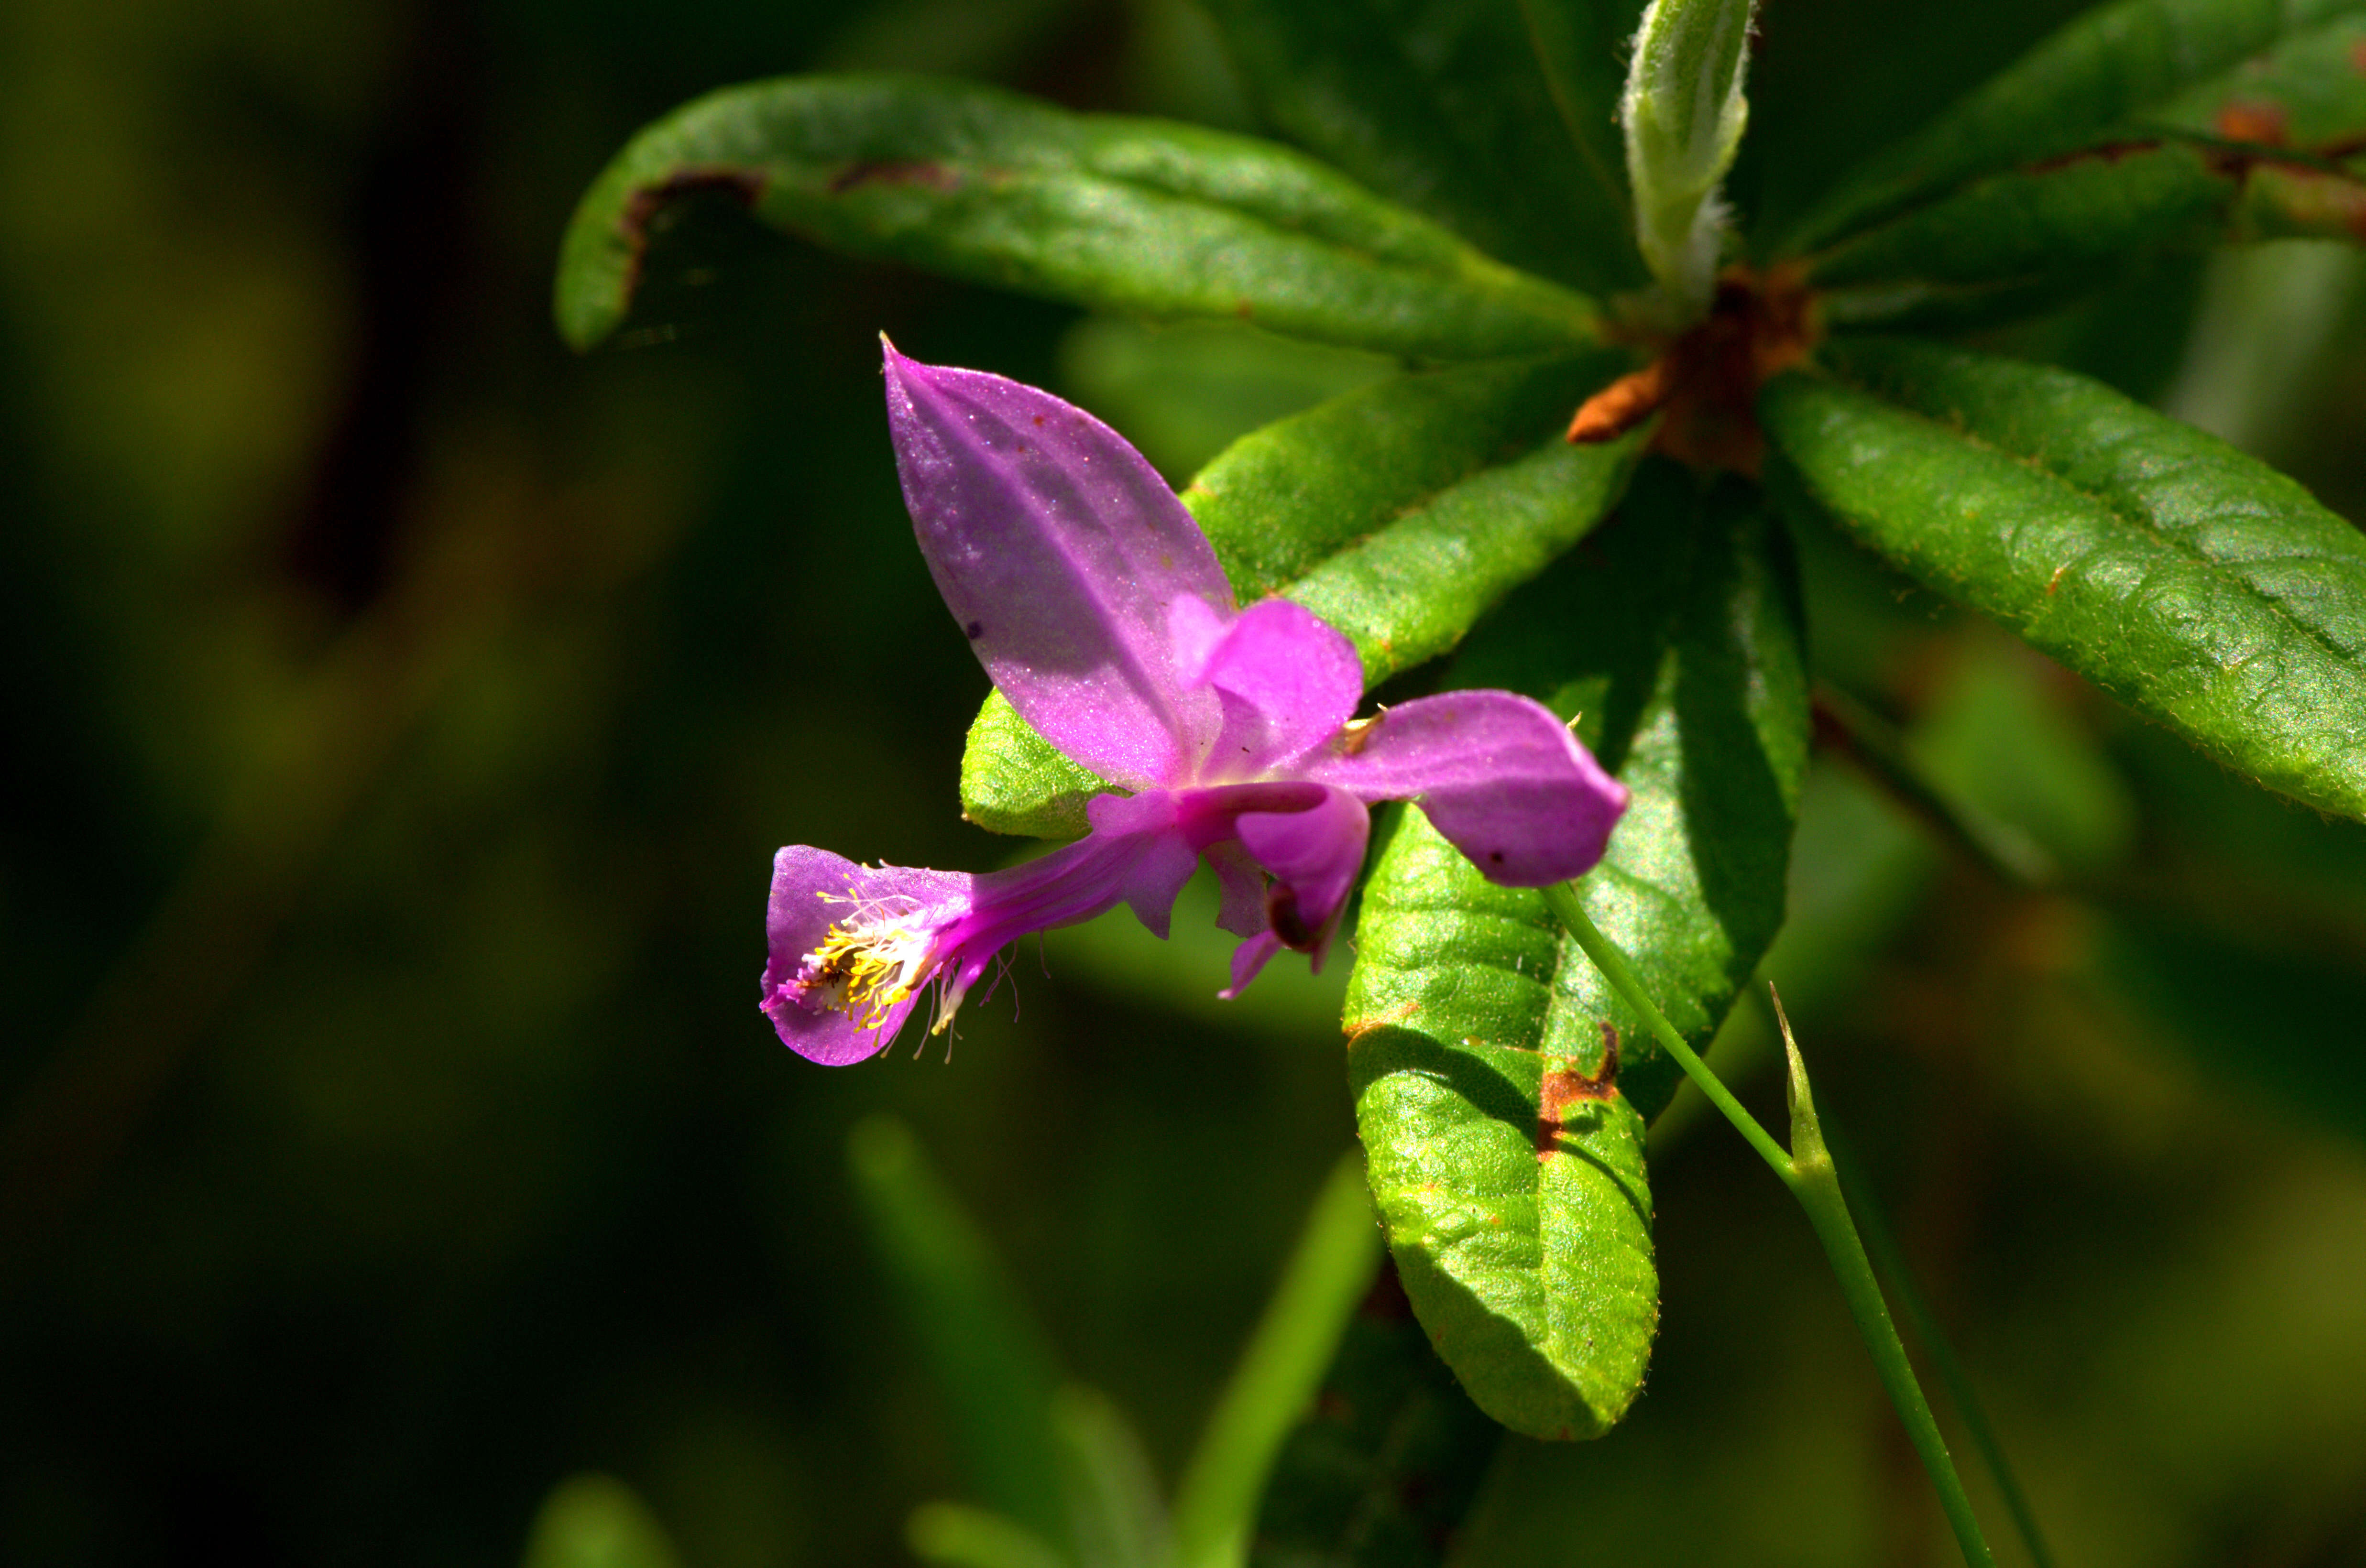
x: 1511, y: 1179
x: 2197, y: 585
x: 1120, y: 214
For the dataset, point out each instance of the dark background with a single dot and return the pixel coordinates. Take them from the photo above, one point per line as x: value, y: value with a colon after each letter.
x: 400, y: 713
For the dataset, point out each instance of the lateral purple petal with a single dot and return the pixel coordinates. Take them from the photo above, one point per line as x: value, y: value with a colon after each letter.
x: 1287, y: 679
x: 1497, y: 773
x: 1059, y: 551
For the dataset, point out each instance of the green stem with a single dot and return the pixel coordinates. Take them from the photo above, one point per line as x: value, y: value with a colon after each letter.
x: 1561, y: 898
x: 1889, y: 1259
x: 1807, y: 1171
x: 1817, y: 1184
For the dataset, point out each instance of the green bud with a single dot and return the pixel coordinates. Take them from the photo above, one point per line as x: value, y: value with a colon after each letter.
x: 1684, y: 112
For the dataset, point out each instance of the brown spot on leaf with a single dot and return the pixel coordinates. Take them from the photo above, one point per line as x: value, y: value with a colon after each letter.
x: 2056, y: 581
x: 2265, y: 124
x: 2357, y: 57
x: 1356, y: 1028
x: 645, y: 203
x: 1564, y: 1087
x: 2102, y: 153
x: 894, y: 171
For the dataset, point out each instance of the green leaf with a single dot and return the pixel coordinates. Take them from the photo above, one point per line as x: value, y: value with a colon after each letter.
x: 2019, y: 242
x: 1114, y: 1513
x: 1521, y: 1224
x: 2113, y: 66
x: 1497, y: 117
x: 954, y: 1535
x: 1382, y: 1467
x: 2307, y: 93
x: 2177, y: 182
x: 994, y: 1365
x: 2198, y: 585
x: 1401, y: 513
x: 1119, y: 214
x: 1013, y: 780
x: 1530, y: 1270
x: 597, y: 1521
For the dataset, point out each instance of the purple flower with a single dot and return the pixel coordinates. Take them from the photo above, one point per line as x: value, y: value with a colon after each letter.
x: 1096, y: 604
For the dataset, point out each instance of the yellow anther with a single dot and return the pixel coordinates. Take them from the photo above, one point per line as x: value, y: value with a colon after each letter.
x: 866, y: 972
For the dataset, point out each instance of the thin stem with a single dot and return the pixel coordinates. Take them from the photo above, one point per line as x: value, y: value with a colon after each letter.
x: 1890, y: 1260
x: 1816, y: 1183
x: 1561, y: 898
x: 1807, y: 1171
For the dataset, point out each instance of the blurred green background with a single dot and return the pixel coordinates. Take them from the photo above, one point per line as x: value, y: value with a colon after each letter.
x: 402, y: 713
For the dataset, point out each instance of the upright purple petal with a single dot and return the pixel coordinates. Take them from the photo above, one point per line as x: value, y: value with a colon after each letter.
x: 1059, y: 551
x: 1287, y: 679
x: 1499, y: 776
x: 1314, y: 856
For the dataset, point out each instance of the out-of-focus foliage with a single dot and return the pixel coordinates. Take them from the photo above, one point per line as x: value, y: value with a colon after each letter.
x: 401, y: 712
x: 597, y: 1521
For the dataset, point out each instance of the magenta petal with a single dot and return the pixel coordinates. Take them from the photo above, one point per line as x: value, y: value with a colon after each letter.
x: 1194, y: 630
x: 1498, y: 774
x: 1287, y: 679
x: 1241, y: 884
x: 854, y: 947
x: 1059, y: 551
x: 1164, y: 862
x: 1248, y: 960
x: 1314, y: 856
x: 813, y: 890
